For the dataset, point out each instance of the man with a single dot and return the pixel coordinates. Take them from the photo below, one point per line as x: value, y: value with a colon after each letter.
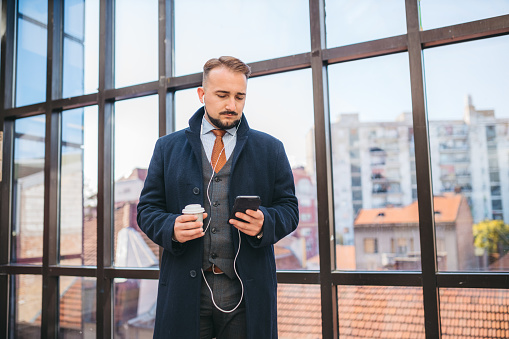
x: 218, y: 278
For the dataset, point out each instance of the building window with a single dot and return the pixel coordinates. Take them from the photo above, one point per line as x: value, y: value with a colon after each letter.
x: 370, y: 245
x: 402, y: 246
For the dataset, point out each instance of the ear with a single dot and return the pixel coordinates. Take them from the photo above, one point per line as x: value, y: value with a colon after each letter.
x: 201, y: 93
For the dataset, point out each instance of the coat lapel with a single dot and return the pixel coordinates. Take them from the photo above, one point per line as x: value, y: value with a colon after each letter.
x: 242, y: 135
x: 194, y: 130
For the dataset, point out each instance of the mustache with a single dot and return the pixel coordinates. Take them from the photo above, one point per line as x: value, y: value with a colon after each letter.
x: 228, y: 112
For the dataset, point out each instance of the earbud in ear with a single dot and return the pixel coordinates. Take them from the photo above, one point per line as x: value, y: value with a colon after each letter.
x: 203, y: 99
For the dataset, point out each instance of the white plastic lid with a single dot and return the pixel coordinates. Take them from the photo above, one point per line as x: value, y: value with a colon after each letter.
x: 193, y: 209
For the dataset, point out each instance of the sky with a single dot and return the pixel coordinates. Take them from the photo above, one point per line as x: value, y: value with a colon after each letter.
x: 377, y: 88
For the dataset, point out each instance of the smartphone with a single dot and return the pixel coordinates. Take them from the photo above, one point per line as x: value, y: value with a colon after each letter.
x: 243, y: 203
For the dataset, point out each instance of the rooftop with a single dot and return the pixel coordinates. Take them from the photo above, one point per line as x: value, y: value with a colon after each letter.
x: 446, y: 210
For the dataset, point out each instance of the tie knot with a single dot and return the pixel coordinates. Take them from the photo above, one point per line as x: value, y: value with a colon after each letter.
x: 219, y: 132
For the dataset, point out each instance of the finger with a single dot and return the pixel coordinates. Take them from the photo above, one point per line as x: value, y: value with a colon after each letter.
x: 192, y: 234
x: 243, y: 226
x: 186, y: 218
x: 257, y: 215
x: 191, y: 225
x: 246, y: 228
x: 195, y: 233
x: 238, y: 224
x: 243, y: 216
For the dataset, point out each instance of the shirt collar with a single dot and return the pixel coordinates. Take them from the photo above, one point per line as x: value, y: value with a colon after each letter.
x: 206, y: 127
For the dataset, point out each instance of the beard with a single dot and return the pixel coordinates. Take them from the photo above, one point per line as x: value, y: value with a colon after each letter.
x: 221, y: 125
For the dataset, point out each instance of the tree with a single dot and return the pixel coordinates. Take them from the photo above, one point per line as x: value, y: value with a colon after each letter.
x: 492, y: 236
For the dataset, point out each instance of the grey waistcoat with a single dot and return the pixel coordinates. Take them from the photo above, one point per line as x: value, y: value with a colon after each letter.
x: 218, y: 244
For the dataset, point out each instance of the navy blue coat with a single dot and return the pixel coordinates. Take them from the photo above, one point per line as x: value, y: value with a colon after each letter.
x: 260, y: 167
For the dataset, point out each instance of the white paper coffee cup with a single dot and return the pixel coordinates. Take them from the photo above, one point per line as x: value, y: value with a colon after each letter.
x: 194, y: 209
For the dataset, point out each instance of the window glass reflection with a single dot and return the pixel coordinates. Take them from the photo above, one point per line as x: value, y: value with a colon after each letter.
x: 136, y: 44
x: 349, y: 22
x: 380, y: 312
x: 440, y: 13
x: 77, y: 312
x: 376, y: 217
x: 291, y: 121
x: 28, y: 190
x: 135, y: 308
x: 81, y: 42
x: 468, y: 111
x: 74, y: 15
x: 136, y: 132
x: 78, y: 187
x: 186, y: 103
x: 248, y: 30
x: 26, y: 315
x: 35, y: 9
x: 73, y: 68
x: 31, y: 52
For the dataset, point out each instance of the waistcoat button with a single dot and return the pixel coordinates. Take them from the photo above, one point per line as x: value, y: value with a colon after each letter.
x: 192, y: 273
x: 217, y: 179
x: 196, y: 190
x: 213, y: 255
x: 213, y: 230
x: 215, y: 204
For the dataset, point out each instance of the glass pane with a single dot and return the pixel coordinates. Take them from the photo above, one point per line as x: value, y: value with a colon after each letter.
x: 299, y: 250
x: 26, y: 317
x: 474, y: 313
x: 440, y: 13
x: 77, y: 307
x: 248, y: 30
x: 186, y: 103
x: 31, y: 52
x: 78, y: 187
x: 380, y: 312
x: 136, y: 132
x: 376, y: 217
x: 81, y: 43
x: 74, y: 15
x: 349, y: 22
x: 468, y: 111
x: 73, y: 68
x: 35, y: 9
x: 136, y: 56
x: 299, y: 313
x: 135, y: 308
x: 28, y: 190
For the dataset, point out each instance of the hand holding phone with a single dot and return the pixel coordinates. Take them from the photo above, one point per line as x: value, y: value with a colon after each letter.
x: 243, y: 203
x: 253, y: 225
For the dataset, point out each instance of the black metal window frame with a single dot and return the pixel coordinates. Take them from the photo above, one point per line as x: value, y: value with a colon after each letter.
x: 317, y: 59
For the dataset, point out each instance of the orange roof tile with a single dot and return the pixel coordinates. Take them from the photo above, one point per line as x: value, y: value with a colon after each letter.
x: 446, y: 210
x: 393, y: 312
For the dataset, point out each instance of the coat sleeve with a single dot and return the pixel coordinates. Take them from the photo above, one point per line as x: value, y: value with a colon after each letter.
x: 153, y: 217
x: 282, y: 215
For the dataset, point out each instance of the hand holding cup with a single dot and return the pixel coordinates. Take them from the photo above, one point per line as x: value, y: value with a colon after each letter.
x: 189, y: 225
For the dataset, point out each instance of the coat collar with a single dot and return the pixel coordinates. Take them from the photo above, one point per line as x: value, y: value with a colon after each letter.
x: 194, y: 129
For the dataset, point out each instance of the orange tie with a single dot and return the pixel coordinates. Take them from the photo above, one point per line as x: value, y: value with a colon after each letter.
x: 218, y: 151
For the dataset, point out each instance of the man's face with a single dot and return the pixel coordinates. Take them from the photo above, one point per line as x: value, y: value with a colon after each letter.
x: 224, y: 96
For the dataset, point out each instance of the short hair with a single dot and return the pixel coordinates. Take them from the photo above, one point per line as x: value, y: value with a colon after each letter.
x: 231, y: 63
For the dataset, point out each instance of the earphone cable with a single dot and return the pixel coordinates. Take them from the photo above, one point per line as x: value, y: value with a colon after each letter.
x: 207, y: 227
